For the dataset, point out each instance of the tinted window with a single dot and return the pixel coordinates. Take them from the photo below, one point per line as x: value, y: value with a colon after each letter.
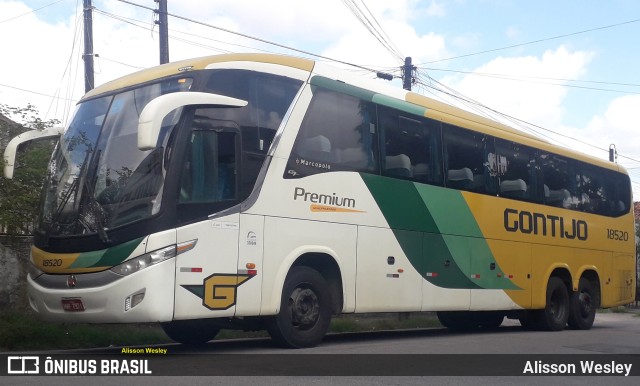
x: 411, y: 147
x: 337, y: 133
x: 560, y: 181
x: 518, y: 172
x: 470, y: 162
x: 603, y: 191
x: 268, y: 96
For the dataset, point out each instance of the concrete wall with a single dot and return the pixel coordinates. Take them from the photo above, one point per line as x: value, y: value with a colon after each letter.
x: 14, y: 260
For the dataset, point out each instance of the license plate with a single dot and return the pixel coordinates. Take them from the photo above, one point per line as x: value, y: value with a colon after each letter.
x: 73, y: 305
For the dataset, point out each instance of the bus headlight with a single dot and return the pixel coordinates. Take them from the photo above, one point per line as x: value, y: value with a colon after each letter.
x: 143, y: 261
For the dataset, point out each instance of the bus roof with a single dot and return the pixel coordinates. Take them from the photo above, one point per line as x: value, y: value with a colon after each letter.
x: 184, y: 66
x: 434, y: 109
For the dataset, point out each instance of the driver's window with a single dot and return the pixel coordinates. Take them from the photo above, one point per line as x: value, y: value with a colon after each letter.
x: 209, y: 170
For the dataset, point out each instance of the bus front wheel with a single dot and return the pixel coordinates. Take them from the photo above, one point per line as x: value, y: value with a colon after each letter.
x: 583, y: 306
x: 305, y: 310
x: 191, y: 332
x: 556, y: 313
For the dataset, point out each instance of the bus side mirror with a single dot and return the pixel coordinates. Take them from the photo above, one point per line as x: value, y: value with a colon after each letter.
x: 150, y: 121
x: 11, y: 151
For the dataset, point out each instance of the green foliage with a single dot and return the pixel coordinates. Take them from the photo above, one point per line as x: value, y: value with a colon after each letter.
x: 19, y: 197
x: 24, y: 332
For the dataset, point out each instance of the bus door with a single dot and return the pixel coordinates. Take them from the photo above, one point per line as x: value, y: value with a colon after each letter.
x: 206, y: 266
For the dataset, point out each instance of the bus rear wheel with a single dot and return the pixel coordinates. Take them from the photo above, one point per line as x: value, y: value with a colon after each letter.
x: 305, y: 310
x: 191, y: 332
x: 556, y: 313
x: 583, y: 306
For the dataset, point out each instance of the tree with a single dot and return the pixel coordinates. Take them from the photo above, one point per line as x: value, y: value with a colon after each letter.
x: 20, y: 196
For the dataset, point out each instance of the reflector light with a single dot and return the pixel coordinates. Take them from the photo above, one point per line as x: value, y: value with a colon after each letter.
x: 133, y: 300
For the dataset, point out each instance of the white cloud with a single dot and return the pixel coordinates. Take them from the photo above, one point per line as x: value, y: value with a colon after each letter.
x: 533, y: 100
x: 436, y: 9
x: 31, y: 60
x: 619, y: 123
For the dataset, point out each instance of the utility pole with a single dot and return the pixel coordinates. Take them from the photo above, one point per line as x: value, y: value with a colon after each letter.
x: 164, y: 30
x: 407, y: 73
x: 88, y: 46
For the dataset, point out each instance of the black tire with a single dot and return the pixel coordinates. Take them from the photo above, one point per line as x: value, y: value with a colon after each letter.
x: 583, y: 305
x: 458, y: 320
x: 556, y: 312
x: 527, y: 319
x: 305, y: 310
x: 489, y: 320
x: 191, y: 332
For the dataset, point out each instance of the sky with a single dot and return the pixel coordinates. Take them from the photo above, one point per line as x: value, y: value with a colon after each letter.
x: 567, y: 70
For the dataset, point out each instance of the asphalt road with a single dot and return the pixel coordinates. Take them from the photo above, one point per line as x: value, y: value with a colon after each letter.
x: 614, y: 334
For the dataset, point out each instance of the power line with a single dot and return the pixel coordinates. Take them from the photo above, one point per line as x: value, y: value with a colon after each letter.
x: 118, y: 62
x: 377, y: 32
x: 30, y: 12
x: 253, y: 37
x: 144, y: 26
x: 520, y: 121
x: 535, y: 41
x: 35, y: 92
x: 522, y: 78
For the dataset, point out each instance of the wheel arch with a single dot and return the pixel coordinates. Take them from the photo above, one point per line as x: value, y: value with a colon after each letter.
x: 563, y: 273
x: 560, y: 270
x: 328, y: 267
x: 322, y: 259
x: 591, y: 274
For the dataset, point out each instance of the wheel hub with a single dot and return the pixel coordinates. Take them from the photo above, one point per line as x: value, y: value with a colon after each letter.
x: 305, y: 308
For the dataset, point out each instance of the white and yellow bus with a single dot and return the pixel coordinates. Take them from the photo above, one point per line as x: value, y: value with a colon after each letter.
x: 261, y: 191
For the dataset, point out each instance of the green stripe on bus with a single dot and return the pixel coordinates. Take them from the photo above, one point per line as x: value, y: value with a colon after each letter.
x: 438, y: 233
x: 117, y: 254
x: 416, y: 231
x: 367, y: 95
x: 87, y: 259
x: 342, y: 87
x: 399, y: 105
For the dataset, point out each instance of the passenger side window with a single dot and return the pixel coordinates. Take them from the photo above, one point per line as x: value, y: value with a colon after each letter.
x: 559, y: 181
x: 338, y: 133
x: 411, y: 147
x: 470, y: 162
x: 603, y: 191
x: 518, y: 172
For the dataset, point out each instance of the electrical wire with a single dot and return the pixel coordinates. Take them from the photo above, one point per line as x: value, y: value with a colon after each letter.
x: 376, y: 32
x: 30, y: 12
x: 533, y: 41
x: 253, y: 37
x: 33, y: 92
x: 525, y: 79
x: 531, y: 127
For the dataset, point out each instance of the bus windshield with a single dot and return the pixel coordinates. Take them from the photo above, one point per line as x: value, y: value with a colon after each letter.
x: 98, y: 178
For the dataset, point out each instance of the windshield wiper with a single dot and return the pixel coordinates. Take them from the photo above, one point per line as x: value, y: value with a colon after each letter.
x: 94, y: 210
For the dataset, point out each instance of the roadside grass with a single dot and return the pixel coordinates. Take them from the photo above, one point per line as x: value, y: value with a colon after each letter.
x: 23, y: 331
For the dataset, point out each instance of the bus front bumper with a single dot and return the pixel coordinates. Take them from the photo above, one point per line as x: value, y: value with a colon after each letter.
x: 144, y: 296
